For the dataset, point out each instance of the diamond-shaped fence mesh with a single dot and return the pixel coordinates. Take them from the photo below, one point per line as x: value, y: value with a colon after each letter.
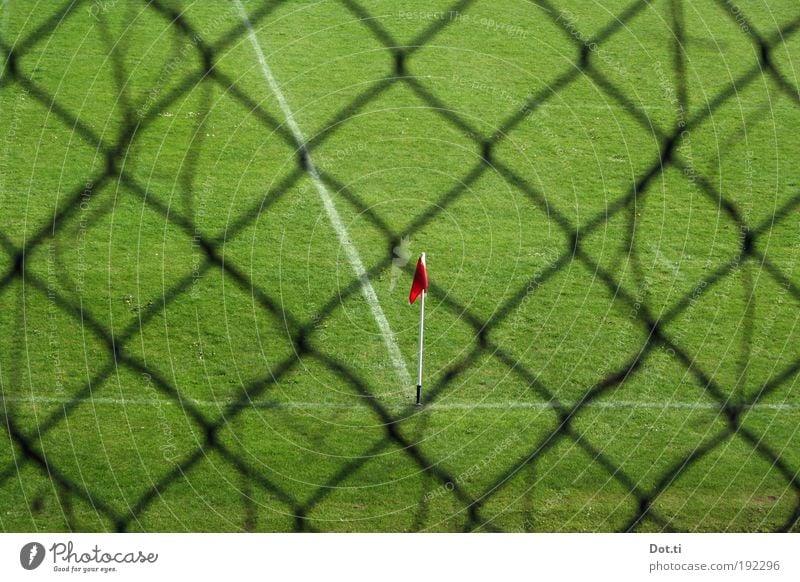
x: 102, y: 167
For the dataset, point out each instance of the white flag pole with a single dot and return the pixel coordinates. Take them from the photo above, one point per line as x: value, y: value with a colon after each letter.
x: 421, y: 331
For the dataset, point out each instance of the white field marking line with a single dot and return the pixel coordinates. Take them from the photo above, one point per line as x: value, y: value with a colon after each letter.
x: 333, y: 215
x: 615, y: 405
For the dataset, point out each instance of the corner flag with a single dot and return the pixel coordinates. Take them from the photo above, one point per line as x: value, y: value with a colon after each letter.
x: 420, y: 283
x: 419, y: 287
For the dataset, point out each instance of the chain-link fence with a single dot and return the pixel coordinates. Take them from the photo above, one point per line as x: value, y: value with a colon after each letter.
x: 651, y: 321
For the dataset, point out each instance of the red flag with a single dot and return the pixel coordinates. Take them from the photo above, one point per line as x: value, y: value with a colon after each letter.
x: 420, y: 283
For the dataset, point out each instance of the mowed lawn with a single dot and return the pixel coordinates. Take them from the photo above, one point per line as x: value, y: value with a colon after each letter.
x: 607, y: 193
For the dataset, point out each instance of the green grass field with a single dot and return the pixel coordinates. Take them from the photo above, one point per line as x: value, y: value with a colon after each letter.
x: 607, y: 193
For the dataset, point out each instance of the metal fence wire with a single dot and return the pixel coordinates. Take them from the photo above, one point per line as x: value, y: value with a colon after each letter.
x: 26, y: 443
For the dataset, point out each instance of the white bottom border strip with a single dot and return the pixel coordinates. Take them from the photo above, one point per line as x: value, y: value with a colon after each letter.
x: 400, y: 557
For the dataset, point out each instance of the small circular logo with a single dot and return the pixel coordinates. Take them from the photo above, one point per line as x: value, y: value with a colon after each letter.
x: 31, y: 555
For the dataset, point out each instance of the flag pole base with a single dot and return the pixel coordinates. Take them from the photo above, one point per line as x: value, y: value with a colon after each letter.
x: 419, y: 394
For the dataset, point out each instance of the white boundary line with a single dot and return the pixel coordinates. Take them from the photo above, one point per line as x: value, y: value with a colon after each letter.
x: 158, y: 401
x: 333, y: 215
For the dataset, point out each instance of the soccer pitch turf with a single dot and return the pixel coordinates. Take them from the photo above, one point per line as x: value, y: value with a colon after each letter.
x: 607, y: 194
